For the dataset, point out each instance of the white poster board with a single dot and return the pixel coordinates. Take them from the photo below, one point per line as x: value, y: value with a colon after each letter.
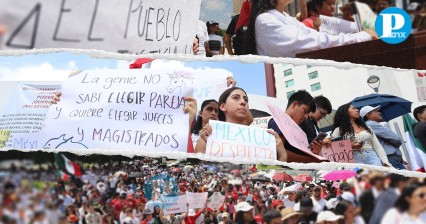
x: 334, y: 26
x: 240, y: 141
x: 261, y: 122
x: 420, y: 80
x: 367, y: 16
x: 139, y: 109
x: 215, y: 201
x: 210, y: 84
x: 126, y: 26
x: 196, y: 200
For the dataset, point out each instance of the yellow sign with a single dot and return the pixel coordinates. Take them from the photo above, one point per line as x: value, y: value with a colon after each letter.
x: 4, y: 136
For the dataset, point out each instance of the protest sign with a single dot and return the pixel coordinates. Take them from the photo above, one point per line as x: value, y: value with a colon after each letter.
x: 334, y: 26
x: 291, y: 131
x: 138, y: 109
x: 175, y: 204
x: 240, y: 141
x: 420, y: 80
x: 340, y: 151
x: 4, y: 136
x: 129, y: 26
x: 209, y: 84
x: 196, y: 200
x: 367, y: 16
x: 261, y: 122
x: 26, y: 112
x: 215, y: 201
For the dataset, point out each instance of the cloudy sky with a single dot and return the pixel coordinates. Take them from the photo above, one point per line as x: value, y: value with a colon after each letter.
x: 218, y: 10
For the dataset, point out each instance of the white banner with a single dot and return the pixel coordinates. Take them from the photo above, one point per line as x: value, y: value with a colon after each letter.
x: 25, y: 113
x: 420, y: 80
x: 210, y: 84
x: 121, y: 109
x: 173, y: 205
x: 126, y: 26
x: 215, y: 201
x: 240, y: 141
x: 334, y: 26
x: 196, y: 200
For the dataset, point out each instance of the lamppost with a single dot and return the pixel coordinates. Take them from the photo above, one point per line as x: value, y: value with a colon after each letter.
x: 374, y: 82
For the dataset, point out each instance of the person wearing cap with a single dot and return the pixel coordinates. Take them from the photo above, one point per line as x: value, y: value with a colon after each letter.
x: 420, y: 127
x: 290, y: 216
x: 225, y: 218
x: 389, y: 140
x: 290, y: 199
x: 244, y: 214
x: 307, y: 210
x: 368, y: 198
x: 148, y: 217
x: 278, y: 205
x: 328, y: 217
x: 215, y: 42
x: 271, y: 217
x: 319, y: 203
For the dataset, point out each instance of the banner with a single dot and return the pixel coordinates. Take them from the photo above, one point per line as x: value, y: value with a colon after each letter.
x: 196, y: 200
x: 215, y: 201
x: 291, y: 131
x: 173, y: 205
x: 334, y: 25
x: 26, y: 112
x: 340, y: 151
x: 138, y: 109
x: 240, y: 141
x: 420, y: 80
x: 128, y: 26
x: 261, y: 122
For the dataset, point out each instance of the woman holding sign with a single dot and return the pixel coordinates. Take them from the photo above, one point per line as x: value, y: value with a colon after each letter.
x: 365, y: 145
x: 272, y: 32
x: 234, y: 108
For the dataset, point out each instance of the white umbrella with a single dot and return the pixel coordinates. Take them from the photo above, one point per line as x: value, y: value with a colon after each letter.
x: 293, y: 187
x: 118, y: 173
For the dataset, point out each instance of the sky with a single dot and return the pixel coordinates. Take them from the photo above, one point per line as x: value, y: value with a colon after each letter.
x: 218, y: 10
x: 56, y: 67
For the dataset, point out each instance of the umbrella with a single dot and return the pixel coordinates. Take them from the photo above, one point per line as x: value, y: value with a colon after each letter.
x: 235, y: 171
x: 339, y: 175
x: 282, y: 177
x: 261, y: 178
x: 176, y: 170
x: 303, y: 178
x: 391, y: 106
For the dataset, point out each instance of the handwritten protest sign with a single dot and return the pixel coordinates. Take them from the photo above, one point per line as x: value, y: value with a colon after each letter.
x: 240, y: 141
x: 367, y: 16
x: 334, y: 26
x: 420, y: 80
x: 26, y: 112
x: 291, y: 131
x: 209, y: 84
x: 130, y: 109
x: 129, y: 26
x: 261, y: 122
x: 4, y: 136
x: 196, y: 200
x: 215, y: 201
x: 340, y: 151
x: 176, y: 204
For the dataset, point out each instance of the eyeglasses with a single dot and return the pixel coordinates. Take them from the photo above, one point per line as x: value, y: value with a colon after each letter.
x: 323, y: 114
x: 421, y: 195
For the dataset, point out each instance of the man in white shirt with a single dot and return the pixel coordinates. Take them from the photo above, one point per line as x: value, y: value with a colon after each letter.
x: 319, y: 203
x: 203, y: 38
x: 215, y: 44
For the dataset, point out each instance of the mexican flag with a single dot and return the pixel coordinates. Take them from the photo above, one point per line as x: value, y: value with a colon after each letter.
x: 416, y: 153
x: 63, y: 175
x: 67, y: 165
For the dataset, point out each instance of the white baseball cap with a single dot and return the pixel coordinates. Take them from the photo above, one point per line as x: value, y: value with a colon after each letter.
x: 348, y: 196
x: 367, y: 109
x: 243, y: 206
x: 328, y: 216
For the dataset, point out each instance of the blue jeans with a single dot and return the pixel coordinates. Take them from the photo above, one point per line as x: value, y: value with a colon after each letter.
x: 396, y: 162
x: 367, y: 156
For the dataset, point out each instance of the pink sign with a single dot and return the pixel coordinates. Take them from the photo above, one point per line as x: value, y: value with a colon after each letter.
x: 291, y: 131
x: 340, y: 152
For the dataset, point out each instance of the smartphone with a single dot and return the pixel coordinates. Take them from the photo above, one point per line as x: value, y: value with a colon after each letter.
x: 321, y: 136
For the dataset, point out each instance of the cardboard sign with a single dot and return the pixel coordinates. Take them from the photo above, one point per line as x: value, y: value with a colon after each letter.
x: 128, y: 26
x: 261, y: 122
x: 215, y: 201
x: 196, y: 200
x: 420, y: 80
x: 240, y: 141
x: 291, y: 131
x: 335, y: 26
x: 139, y: 109
x: 340, y: 152
x: 176, y: 204
x: 367, y: 16
x: 26, y: 112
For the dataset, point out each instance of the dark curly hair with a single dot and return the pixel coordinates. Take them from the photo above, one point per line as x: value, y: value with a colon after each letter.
x: 343, y: 122
x: 199, y: 123
x: 257, y: 7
